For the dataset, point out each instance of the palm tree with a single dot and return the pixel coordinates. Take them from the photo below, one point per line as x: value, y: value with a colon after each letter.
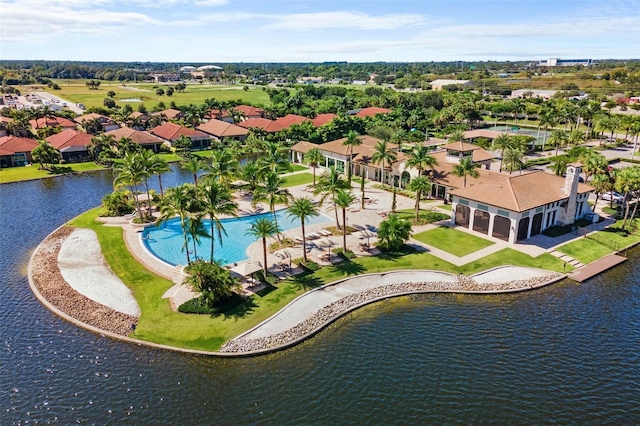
x: 250, y: 172
x: 130, y: 174
x: 217, y: 200
x: 263, y: 228
x: 193, y: 164
x: 351, y: 141
x: 635, y: 131
x: 383, y: 154
x: 547, y: 120
x: 602, y: 183
x: 420, y: 185
x: 158, y: 166
x: 513, y: 158
x: 224, y: 166
x: 576, y: 137
x: 272, y: 192
x: 420, y: 159
x: 274, y: 157
x: 343, y: 200
x: 314, y: 158
x: 212, y: 281
x: 558, y: 138
x: 180, y: 201
x: 456, y: 136
x: 627, y: 182
x: 466, y: 168
x: 328, y: 184
x: 303, y: 208
x: 197, y: 231
x: 593, y: 163
x: 502, y: 142
x: 45, y: 153
x: 394, y: 232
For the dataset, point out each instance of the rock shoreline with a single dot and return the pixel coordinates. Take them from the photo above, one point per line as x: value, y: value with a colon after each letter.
x: 48, y: 280
x: 338, y: 308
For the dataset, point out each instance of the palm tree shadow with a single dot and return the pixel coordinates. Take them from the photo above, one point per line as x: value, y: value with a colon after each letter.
x: 241, y: 310
x: 349, y: 268
x: 306, y: 282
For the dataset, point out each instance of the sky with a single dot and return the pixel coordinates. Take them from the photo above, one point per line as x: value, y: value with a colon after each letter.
x: 218, y: 31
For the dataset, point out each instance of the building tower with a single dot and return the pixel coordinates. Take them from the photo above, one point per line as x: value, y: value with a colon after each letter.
x: 570, y: 188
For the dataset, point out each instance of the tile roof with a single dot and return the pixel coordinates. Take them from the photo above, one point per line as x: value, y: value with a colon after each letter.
x: 260, y: 123
x: 250, y: 111
x: 519, y: 193
x: 169, y: 113
x: 68, y: 138
x: 5, y: 152
x: 285, y: 122
x: 372, y: 111
x: 460, y: 146
x: 52, y: 122
x: 221, y: 128
x: 337, y: 146
x: 172, y: 131
x: 304, y: 147
x: 322, y: 119
x: 92, y: 116
x: 137, y: 136
x: 15, y: 144
x: 477, y: 156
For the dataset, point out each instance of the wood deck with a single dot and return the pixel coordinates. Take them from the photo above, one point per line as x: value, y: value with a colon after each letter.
x: 594, y: 268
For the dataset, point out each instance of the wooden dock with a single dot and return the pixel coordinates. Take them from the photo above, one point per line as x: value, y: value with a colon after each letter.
x: 594, y: 268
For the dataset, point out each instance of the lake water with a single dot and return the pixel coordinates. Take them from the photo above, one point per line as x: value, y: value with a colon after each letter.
x: 565, y: 354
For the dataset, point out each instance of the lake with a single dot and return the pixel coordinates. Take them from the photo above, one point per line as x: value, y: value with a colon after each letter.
x: 564, y: 354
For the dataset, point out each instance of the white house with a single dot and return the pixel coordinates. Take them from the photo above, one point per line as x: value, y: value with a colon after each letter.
x: 514, y: 208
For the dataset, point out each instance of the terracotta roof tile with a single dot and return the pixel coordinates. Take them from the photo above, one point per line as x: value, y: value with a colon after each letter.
x: 260, y: 123
x: 69, y: 138
x: 172, y: 131
x: 372, y: 111
x: 15, y: 144
x: 137, y: 136
x: 222, y: 129
x: 285, y: 122
x: 519, y: 193
x: 52, y: 122
x: 322, y: 119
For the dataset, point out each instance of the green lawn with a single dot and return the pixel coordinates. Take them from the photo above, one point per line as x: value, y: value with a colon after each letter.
x: 16, y: 174
x: 298, y: 167
x: 299, y: 179
x: 425, y: 216
x: 452, y: 241
x: 444, y: 207
x: 513, y: 257
x: 585, y: 250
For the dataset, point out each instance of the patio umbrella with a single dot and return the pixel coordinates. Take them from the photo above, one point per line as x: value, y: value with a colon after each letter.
x: 246, y: 268
x: 239, y: 183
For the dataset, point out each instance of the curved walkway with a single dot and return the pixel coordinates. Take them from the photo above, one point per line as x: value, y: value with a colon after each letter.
x: 314, y: 310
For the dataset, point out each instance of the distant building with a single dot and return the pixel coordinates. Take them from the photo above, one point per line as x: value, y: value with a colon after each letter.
x: 533, y: 93
x: 440, y: 83
x: 557, y: 62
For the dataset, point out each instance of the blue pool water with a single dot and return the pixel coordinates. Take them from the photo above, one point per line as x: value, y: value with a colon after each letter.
x: 166, y: 241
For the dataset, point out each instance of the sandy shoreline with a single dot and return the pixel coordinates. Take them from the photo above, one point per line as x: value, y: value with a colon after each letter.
x: 48, y: 280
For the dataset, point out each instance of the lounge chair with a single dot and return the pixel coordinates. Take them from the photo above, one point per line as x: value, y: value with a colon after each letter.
x: 313, y: 236
x: 298, y: 240
x: 325, y: 233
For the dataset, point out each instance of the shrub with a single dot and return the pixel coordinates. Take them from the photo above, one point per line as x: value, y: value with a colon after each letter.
x: 199, y: 305
x: 348, y: 255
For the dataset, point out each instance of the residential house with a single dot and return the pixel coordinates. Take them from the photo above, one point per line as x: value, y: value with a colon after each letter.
x: 4, y: 121
x: 514, y: 208
x: 322, y: 119
x: 533, y: 93
x: 247, y: 112
x: 137, y: 120
x: 72, y: 144
x: 172, y: 132
x: 107, y: 123
x: 273, y: 126
x: 171, y: 114
x: 223, y: 130
x: 43, y: 122
x: 16, y: 151
x: 371, y: 112
x: 142, y: 138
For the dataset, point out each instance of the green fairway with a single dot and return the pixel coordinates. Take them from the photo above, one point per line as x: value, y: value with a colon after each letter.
x: 76, y: 91
x: 452, y: 241
x: 299, y: 179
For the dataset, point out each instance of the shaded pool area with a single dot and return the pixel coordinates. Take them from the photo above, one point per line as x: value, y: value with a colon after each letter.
x: 167, y: 242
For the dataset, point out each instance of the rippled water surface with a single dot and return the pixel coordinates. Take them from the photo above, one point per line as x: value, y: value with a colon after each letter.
x: 567, y: 354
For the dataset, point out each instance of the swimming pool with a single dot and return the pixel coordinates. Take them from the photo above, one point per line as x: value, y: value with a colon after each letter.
x: 166, y: 241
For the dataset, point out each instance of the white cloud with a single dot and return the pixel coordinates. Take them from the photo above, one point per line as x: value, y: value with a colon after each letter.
x: 344, y: 19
